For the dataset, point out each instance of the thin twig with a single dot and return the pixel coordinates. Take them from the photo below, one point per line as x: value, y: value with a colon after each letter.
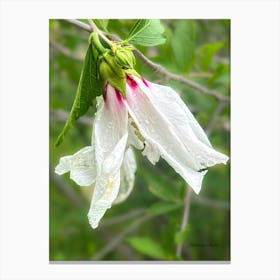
x: 158, y: 68
x: 215, y: 116
x: 64, y: 50
x: 93, y: 26
x: 184, y: 219
x: 161, y: 70
x: 121, y: 218
x: 211, y: 202
x: 79, y: 24
x: 67, y: 33
x: 66, y: 189
x: 200, y: 75
x: 96, y: 30
x: 117, y: 239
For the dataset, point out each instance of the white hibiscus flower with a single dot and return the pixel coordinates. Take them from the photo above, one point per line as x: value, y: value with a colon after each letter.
x: 152, y: 118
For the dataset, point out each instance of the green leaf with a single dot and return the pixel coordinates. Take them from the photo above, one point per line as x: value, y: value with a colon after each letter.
x: 147, y: 32
x: 207, y: 52
x: 89, y: 87
x: 159, y: 208
x: 148, y: 247
x: 220, y: 71
x: 183, y: 44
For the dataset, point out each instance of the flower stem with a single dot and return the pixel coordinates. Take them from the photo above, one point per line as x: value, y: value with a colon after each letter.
x: 96, y: 30
x: 185, y: 219
x: 95, y: 38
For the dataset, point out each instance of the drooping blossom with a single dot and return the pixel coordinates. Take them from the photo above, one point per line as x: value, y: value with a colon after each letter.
x: 151, y: 118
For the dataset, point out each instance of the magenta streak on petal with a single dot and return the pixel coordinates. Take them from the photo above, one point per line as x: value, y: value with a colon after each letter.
x: 131, y: 82
x: 145, y: 82
x: 113, y: 99
x: 119, y: 98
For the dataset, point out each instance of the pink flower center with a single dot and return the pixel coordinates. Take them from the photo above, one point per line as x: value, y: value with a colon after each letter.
x: 113, y: 98
x: 131, y: 82
x: 119, y: 97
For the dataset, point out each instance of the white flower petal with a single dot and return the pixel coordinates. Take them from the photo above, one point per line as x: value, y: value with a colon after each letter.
x: 177, y: 112
x: 168, y: 102
x: 99, y: 207
x: 81, y: 166
x: 63, y: 166
x: 110, y: 139
x: 164, y: 137
x: 134, y: 136
x: 128, y: 170
x: 155, y: 128
x: 109, y: 126
x: 107, y: 183
x: 152, y: 152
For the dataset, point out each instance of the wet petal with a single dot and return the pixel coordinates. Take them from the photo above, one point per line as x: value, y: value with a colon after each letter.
x: 107, y: 184
x: 110, y: 124
x: 110, y: 139
x: 164, y: 138
x: 134, y: 136
x: 151, y: 151
x: 168, y: 102
x: 81, y: 166
x: 128, y: 170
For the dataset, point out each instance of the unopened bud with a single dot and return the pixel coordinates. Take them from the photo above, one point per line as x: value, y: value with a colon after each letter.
x: 111, y: 72
x: 125, y: 57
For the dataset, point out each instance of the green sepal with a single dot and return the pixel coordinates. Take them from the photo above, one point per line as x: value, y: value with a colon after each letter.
x: 113, y: 73
x: 133, y: 72
x: 88, y: 88
x: 119, y: 84
x: 125, y: 57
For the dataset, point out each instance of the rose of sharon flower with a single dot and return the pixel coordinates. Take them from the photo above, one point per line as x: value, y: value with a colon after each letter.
x: 152, y: 118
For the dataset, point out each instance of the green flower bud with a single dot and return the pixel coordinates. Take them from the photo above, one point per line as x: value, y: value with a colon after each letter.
x: 125, y: 57
x: 114, y: 64
x: 111, y: 72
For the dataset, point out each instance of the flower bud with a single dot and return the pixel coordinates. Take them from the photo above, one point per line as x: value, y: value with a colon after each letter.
x: 111, y: 72
x: 109, y: 69
x: 125, y: 57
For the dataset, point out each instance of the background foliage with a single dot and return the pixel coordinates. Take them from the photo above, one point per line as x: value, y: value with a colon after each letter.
x: 147, y: 225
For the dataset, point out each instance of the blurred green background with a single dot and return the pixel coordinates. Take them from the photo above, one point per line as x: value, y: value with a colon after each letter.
x: 147, y: 225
